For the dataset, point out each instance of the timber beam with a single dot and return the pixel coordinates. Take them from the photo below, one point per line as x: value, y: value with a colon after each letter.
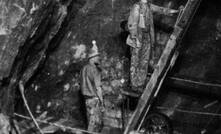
x: 187, y: 86
x: 165, y: 62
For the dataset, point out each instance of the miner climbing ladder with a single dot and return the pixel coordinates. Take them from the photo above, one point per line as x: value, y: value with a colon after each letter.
x: 165, y: 63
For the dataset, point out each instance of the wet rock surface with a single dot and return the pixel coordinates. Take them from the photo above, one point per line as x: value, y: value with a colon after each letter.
x: 19, y: 21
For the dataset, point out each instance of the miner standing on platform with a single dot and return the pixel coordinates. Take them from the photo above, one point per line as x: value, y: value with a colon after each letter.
x: 92, y: 91
x: 141, y: 39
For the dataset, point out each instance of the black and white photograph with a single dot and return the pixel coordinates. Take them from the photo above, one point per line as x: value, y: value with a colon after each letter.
x: 110, y: 67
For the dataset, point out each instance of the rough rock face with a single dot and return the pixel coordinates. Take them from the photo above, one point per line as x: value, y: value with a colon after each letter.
x: 18, y: 22
x: 57, y: 86
x: 28, y: 31
x: 45, y: 43
x: 4, y: 124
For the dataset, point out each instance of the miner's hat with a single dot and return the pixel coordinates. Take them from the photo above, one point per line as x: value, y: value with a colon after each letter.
x: 94, y: 51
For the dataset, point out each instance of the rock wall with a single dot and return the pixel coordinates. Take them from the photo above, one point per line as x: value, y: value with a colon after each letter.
x: 45, y: 43
x: 28, y: 34
x: 18, y: 21
x: 57, y: 85
x: 55, y: 88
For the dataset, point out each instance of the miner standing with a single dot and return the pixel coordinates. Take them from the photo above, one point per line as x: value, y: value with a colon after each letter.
x: 92, y: 91
x: 141, y: 39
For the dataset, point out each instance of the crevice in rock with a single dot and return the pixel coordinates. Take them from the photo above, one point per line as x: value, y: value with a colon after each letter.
x: 40, y: 43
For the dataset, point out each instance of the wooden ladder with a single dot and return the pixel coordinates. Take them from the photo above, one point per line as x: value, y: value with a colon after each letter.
x: 165, y: 63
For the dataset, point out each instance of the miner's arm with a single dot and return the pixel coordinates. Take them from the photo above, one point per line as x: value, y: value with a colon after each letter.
x: 133, y: 20
x: 163, y: 10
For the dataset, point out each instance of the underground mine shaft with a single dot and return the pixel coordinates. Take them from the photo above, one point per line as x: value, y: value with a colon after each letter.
x: 44, y: 45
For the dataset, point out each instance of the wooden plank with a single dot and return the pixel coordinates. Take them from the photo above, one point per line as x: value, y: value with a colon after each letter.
x: 162, y: 66
x: 192, y: 86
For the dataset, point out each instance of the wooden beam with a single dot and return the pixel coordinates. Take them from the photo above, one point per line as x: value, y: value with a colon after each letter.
x: 162, y: 67
x: 187, y: 86
x: 192, y: 86
x: 154, y: 81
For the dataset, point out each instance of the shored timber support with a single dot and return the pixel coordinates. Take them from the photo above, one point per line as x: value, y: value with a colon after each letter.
x: 165, y: 62
x: 196, y: 86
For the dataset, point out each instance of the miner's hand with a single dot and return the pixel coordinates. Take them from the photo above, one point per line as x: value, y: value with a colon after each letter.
x: 173, y: 11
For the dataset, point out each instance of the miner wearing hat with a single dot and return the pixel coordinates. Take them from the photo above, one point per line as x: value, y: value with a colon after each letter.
x: 141, y: 39
x: 92, y: 91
